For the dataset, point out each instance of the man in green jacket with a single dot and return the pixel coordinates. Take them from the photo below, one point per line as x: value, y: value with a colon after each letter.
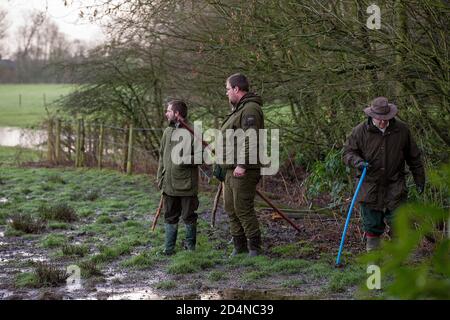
x: 383, y: 144
x: 241, y: 178
x: 177, y: 181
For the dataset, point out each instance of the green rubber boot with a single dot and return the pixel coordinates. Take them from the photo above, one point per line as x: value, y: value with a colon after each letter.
x: 191, y: 236
x: 171, y: 238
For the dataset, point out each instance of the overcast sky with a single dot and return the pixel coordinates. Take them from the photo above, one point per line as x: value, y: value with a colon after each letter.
x: 66, y: 18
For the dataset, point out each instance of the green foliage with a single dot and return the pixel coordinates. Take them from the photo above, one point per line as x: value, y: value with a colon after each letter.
x: 328, y: 176
x: 414, y: 277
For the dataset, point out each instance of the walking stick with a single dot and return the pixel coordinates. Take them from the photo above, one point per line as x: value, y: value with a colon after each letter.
x: 257, y: 191
x: 349, y: 214
x: 158, y: 212
x: 216, y: 202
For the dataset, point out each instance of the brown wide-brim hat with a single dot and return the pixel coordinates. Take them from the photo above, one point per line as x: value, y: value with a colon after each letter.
x: 381, y: 109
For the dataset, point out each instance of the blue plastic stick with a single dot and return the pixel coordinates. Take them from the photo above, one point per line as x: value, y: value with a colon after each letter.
x: 349, y: 214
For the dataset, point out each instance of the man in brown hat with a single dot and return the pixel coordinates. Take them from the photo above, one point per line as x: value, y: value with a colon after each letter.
x: 382, y: 144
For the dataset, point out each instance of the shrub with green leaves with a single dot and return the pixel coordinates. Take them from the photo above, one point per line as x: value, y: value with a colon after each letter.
x: 414, y: 276
x: 327, y: 176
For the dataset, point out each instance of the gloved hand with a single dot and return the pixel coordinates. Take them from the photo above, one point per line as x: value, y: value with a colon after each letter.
x: 219, y: 173
x: 420, y: 188
x: 362, y: 164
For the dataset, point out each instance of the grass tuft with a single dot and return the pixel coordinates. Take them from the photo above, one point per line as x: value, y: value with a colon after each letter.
x: 59, y: 212
x: 44, y: 275
x: 25, y: 223
x: 74, y: 250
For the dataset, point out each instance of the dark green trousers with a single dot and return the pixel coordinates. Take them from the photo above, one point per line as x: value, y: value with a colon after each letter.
x: 184, y: 207
x: 239, y: 203
x: 374, y: 221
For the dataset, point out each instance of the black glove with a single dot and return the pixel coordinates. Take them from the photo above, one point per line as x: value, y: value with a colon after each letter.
x: 362, y: 164
x: 219, y: 173
x: 420, y: 188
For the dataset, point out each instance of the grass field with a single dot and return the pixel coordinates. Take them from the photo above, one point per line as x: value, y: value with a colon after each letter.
x: 22, y: 105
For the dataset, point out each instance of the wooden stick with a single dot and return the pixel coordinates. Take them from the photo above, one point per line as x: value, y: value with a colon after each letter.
x: 158, y: 212
x: 216, y: 203
x: 277, y: 210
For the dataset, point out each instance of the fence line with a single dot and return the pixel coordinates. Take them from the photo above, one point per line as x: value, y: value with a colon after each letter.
x: 99, y: 144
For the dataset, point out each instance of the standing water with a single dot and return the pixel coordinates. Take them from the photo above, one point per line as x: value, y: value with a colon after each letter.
x: 26, y: 138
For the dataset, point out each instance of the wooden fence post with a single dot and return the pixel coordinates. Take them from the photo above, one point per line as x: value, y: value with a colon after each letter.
x: 58, y: 141
x: 50, y: 141
x: 20, y: 100
x: 82, y: 144
x: 130, y: 151
x: 100, y: 147
x: 78, y: 145
x: 125, y: 148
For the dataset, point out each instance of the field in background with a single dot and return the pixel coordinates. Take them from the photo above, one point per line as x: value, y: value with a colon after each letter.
x: 22, y: 105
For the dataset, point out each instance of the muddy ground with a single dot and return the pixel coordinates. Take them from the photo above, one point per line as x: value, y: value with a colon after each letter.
x: 295, y: 265
x: 117, y: 283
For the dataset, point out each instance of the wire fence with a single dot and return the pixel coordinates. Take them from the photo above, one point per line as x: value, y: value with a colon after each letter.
x: 93, y: 144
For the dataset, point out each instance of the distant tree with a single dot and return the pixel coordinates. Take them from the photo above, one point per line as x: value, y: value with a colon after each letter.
x: 3, y: 28
x: 316, y: 58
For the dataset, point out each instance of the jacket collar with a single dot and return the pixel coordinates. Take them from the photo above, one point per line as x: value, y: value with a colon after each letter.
x: 392, y: 127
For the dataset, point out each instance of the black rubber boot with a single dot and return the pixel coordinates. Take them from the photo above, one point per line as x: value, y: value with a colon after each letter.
x: 191, y: 236
x: 254, y: 245
x: 171, y: 238
x: 240, y: 245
